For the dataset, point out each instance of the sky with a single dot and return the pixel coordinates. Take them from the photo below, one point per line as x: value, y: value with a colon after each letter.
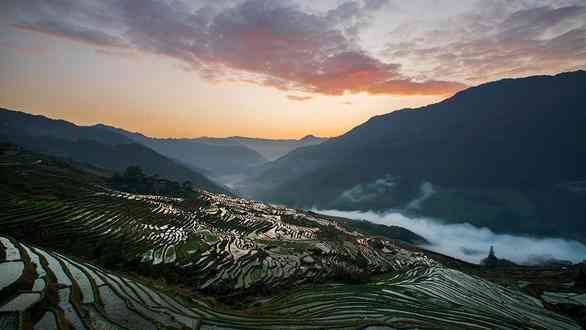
x: 268, y: 68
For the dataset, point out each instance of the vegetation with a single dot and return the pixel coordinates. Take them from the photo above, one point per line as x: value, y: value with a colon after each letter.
x: 110, y: 259
x: 134, y: 180
x: 53, y: 289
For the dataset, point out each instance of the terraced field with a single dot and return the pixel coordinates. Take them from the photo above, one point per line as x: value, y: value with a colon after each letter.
x: 77, y: 255
x: 47, y: 290
x: 216, y: 242
x: 223, y: 242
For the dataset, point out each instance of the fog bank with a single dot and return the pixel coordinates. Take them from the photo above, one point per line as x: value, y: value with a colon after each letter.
x: 471, y: 243
x: 369, y: 191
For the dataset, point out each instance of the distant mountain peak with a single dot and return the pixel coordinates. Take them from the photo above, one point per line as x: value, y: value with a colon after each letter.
x: 311, y: 137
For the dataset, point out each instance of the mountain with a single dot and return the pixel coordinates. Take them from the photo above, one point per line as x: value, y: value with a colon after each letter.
x: 16, y: 123
x: 93, y: 145
x: 218, y: 157
x: 508, y: 155
x: 76, y: 254
x: 227, y: 160
x: 274, y: 149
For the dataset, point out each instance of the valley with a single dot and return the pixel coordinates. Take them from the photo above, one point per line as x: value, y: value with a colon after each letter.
x: 475, y: 159
x: 507, y: 155
x: 79, y: 254
x: 292, y: 164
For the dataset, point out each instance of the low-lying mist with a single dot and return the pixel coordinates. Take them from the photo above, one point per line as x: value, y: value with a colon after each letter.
x: 471, y: 243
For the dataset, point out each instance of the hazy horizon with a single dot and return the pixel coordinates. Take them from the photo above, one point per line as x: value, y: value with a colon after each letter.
x: 81, y: 124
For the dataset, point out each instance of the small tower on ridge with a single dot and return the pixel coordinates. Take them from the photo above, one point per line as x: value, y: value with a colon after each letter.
x: 491, y: 260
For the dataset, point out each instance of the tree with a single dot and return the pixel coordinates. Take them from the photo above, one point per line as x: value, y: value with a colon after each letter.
x: 134, y: 174
x: 187, y: 185
x: 580, y: 281
x: 117, y: 178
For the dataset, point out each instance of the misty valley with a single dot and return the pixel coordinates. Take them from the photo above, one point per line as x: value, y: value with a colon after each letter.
x: 292, y: 165
x: 103, y: 228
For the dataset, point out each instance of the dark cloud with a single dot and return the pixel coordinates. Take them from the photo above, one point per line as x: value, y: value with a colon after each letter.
x: 74, y: 33
x: 270, y: 43
x: 351, y: 17
x: 122, y: 52
x: 495, y: 42
x: 532, y: 23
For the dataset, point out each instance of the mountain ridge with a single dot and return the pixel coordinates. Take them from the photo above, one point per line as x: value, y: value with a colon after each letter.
x: 220, y: 157
x: 93, y: 145
x: 517, y: 135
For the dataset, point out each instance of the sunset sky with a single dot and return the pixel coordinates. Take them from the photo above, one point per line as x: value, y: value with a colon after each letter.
x: 268, y: 68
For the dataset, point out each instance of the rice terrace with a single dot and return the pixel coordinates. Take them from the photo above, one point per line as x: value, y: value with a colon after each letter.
x: 89, y: 257
x: 292, y: 164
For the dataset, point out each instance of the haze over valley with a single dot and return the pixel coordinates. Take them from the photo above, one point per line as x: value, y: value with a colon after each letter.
x: 258, y: 164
